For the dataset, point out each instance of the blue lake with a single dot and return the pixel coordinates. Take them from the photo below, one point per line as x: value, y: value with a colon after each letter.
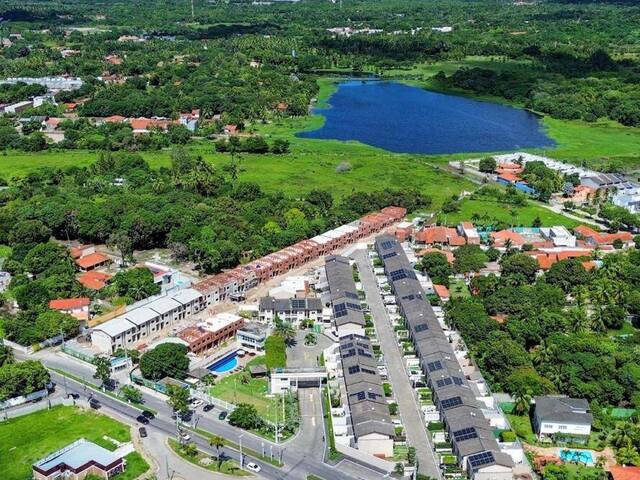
x: 406, y: 119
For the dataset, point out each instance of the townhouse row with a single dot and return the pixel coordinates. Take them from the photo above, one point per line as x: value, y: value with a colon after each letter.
x: 469, y: 432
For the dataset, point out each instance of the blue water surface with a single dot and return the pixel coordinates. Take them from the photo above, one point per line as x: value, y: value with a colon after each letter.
x: 224, y: 365
x: 406, y: 119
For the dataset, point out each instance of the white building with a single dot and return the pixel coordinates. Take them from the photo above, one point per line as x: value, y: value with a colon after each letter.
x: 293, y: 310
x: 560, y: 236
x: 563, y: 415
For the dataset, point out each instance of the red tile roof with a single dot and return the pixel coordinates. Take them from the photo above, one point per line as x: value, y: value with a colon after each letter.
x: 115, y: 119
x: 624, y: 473
x: 499, y: 238
x: 446, y: 253
x: 94, y: 280
x: 69, y: 303
x: 602, y: 238
x: 91, y: 260
x: 430, y: 235
x: 510, y: 177
x: 441, y: 291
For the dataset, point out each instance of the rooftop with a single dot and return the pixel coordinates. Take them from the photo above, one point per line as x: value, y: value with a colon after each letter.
x: 563, y: 410
x: 76, y: 455
x: 69, y: 303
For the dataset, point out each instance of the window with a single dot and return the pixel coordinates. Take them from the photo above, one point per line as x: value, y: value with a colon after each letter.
x: 563, y: 427
x: 353, y: 369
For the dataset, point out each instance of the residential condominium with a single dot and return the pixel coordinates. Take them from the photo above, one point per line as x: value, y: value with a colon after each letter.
x: 345, y: 302
x: 143, y: 322
x: 223, y: 286
x: 293, y: 310
x: 469, y: 432
x: 373, y: 431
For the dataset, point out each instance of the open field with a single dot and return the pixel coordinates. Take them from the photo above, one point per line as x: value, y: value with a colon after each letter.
x: 495, y: 210
x: 231, y: 389
x: 458, y: 289
x: 25, y: 440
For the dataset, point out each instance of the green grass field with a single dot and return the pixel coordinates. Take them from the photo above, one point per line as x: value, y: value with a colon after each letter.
x: 27, y: 439
x: 458, y: 289
x: 498, y: 211
x: 231, y: 389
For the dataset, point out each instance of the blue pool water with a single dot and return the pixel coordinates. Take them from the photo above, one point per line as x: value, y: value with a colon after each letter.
x: 224, y: 364
x: 402, y: 118
x: 577, y: 456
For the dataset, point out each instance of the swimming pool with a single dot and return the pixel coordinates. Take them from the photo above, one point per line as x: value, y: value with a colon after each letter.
x: 225, y: 364
x: 577, y: 456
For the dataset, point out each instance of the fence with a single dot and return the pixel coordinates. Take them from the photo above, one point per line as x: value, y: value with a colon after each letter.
x: 35, y: 407
x: 15, y: 401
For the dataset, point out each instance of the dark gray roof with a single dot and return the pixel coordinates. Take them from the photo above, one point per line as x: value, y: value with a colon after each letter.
x: 605, y: 179
x: 367, y: 403
x: 290, y: 304
x: 563, y: 410
x: 480, y: 460
x: 342, y: 288
x: 469, y: 431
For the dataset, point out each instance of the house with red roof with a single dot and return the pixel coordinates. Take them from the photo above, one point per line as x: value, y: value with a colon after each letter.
x: 94, y: 280
x: 442, y: 292
x: 231, y: 129
x: 591, y: 237
x: 115, y: 119
x: 446, y: 253
x: 76, y: 307
x: 91, y: 261
x: 439, y: 235
x: 500, y: 239
x: 622, y: 472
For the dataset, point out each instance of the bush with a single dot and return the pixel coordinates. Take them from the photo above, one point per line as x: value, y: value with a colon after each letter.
x: 508, y: 436
x: 166, y: 360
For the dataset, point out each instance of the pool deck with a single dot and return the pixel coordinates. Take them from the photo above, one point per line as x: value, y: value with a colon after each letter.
x: 607, y: 453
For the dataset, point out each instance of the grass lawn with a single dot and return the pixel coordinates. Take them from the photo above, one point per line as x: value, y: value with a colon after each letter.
x: 231, y: 389
x: 458, y: 289
x: 521, y: 425
x: 26, y: 439
x: 400, y: 453
x: 228, y: 467
x: 627, y: 329
x: 136, y: 466
x: 497, y: 211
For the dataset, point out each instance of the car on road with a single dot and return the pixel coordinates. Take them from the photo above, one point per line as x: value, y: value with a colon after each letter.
x: 185, y: 436
x: 143, y: 432
x: 95, y: 404
x: 254, y: 467
x: 142, y: 419
x: 208, y: 407
x: 222, y: 415
x: 195, y: 403
x: 75, y: 396
x: 148, y: 414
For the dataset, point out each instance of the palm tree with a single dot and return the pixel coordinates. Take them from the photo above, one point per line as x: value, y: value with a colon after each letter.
x: 508, y: 244
x: 522, y: 402
x: 628, y: 455
x: 245, y: 378
x: 623, y: 434
x: 217, y: 442
x: 285, y: 330
x: 310, y: 339
x: 543, y: 353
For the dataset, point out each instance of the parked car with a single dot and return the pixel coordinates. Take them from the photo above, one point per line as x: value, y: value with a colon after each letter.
x: 208, y: 407
x: 254, y: 467
x: 222, y: 415
x: 142, y: 419
x: 148, y: 414
x: 196, y: 402
x: 143, y: 432
x: 185, y: 436
x: 95, y: 404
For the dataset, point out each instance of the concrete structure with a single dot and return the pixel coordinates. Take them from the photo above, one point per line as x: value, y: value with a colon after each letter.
x: 560, y: 236
x: 145, y: 321
x: 345, y: 302
x: 468, y: 430
x: 469, y: 232
x: 562, y: 415
x: 78, y: 460
x: 211, y: 333
x: 53, y: 84
x: 252, y: 336
x: 293, y: 310
x: 373, y: 431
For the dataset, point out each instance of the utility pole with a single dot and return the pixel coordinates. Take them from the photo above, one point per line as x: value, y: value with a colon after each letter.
x: 241, y: 456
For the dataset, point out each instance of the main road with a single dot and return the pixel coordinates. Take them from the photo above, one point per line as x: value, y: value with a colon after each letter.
x: 301, y: 455
x: 412, y: 418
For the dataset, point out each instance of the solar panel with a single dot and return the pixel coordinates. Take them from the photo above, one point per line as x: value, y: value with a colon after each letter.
x: 409, y: 297
x: 433, y: 366
x: 354, y: 369
x: 298, y: 304
x: 465, y: 434
x: 372, y: 395
x: 369, y: 371
x: 339, y: 310
x: 451, y: 402
x: 479, y: 459
x: 353, y: 306
x: 351, y: 295
x: 421, y: 327
x: 387, y: 244
x: 457, y: 381
x: 389, y: 255
x: 359, y: 395
x: 443, y: 382
x: 398, y: 275
x: 364, y: 353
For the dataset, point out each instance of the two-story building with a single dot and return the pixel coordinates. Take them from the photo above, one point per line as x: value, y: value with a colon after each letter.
x: 562, y: 415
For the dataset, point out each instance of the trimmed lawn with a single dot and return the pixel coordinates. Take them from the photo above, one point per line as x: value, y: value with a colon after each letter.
x: 231, y: 389
x: 27, y: 439
x: 458, y: 289
x: 521, y: 425
x: 497, y: 211
x: 136, y: 466
x: 228, y: 467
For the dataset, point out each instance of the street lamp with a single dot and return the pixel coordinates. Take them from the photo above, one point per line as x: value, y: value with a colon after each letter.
x: 241, y: 456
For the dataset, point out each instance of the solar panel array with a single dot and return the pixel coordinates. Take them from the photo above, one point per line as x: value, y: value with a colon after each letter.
x: 479, y: 459
x: 344, y: 296
x: 460, y: 410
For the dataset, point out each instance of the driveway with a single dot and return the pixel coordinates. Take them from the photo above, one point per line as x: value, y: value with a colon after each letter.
x: 299, y: 355
x: 410, y: 413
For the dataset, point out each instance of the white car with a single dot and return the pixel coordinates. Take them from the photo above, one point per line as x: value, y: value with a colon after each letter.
x: 185, y: 436
x: 254, y: 467
x: 196, y: 403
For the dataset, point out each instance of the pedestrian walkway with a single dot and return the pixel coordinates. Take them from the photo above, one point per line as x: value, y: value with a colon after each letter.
x: 410, y: 413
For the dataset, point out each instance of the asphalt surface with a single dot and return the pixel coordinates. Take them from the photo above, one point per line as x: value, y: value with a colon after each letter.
x: 412, y: 418
x: 301, y: 455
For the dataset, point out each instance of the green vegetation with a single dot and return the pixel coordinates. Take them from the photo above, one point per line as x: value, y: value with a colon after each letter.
x: 193, y: 455
x: 136, y: 466
x: 334, y: 455
x: 458, y: 289
x: 240, y: 388
x: 165, y: 360
x: 275, y: 352
x: 24, y: 440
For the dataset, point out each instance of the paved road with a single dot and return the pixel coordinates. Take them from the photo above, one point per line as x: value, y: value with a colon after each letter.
x: 301, y: 456
x: 412, y: 418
